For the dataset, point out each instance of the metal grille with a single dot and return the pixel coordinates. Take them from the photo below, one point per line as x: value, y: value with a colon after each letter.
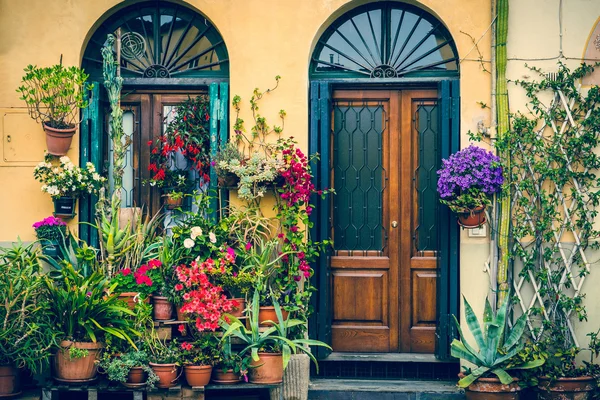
x: 385, y: 40
x: 387, y: 370
x: 161, y: 40
x: 563, y: 254
x: 428, y: 162
x: 359, y: 177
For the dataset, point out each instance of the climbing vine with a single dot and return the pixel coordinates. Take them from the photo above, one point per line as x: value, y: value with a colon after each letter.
x: 554, y: 191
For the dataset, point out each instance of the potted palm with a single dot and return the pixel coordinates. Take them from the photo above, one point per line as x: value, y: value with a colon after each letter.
x: 94, y: 313
x: 54, y: 95
x: 270, y: 349
x: 497, y: 354
x: 26, y: 336
x: 466, y: 181
x: 131, y: 369
x: 51, y: 232
x: 66, y: 182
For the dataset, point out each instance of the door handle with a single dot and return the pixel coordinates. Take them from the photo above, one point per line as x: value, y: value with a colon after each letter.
x: 394, y: 224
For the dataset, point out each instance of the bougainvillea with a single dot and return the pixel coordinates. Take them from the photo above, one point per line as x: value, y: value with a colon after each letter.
x: 468, y: 177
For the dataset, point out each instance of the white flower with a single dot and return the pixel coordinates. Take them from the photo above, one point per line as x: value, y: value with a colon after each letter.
x: 195, y: 232
x: 53, y: 190
x: 90, y: 167
x: 188, y: 243
x: 96, y: 176
x: 65, y: 160
x: 44, y: 188
x: 212, y: 237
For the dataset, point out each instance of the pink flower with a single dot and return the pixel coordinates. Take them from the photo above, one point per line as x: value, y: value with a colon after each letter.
x: 248, y: 246
x: 126, y: 271
x: 178, y: 287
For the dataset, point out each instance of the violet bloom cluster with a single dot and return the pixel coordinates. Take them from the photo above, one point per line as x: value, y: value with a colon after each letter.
x: 468, y: 169
x: 49, y: 221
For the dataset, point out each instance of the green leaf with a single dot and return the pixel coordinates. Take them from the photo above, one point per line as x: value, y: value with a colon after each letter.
x: 473, y: 325
x: 467, y: 346
x: 458, y: 350
x: 475, y: 374
x: 504, y: 377
x: 516, y: 332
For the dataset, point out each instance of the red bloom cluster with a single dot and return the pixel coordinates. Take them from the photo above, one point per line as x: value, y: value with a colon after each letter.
x: 203, y: 299
x: 187, y: 346
x: 298, y: 184
x: 141, y: 275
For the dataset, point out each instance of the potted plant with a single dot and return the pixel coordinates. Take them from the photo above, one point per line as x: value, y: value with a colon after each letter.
x: 85, y: 313
x: 133, y: 286
x: 466, y: 180
x: 51, y: 232
x: 131, y: 369
x: 228, y: 155
x: 497, y: 353
x: 562, y: 376
x: 199, y: 357
x: 66, y: 182
x: 26, y: 336
x: 230, y: 368
x: 165, y: 358
x: 271, y: 349
x: 54, y: 95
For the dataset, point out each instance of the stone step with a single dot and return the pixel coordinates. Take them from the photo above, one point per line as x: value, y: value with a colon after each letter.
x: 355, y: 389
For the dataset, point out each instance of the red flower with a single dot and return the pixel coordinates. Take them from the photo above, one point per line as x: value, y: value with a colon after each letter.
x: 149, y: 142
x: 181, y: 328
x: 160, y: 175
x: 126, y: 271
x: 178, y: 287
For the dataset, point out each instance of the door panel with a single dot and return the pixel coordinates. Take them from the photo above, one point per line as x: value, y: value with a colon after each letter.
x: 384, y: 220
x: 364, y: 265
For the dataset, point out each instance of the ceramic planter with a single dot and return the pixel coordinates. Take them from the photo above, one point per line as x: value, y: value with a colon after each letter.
x: 58, y: 141
x: 492, y: 389
x: 473, y: 218
x: 197, y: 375
x: 267, y: 313
x: 76, y: 370
x: 50, y: 248
x: 64, y: 207
x: 296, y: 378
x: 238, y: 311
x: 9, y: 381
x: 267, y: 370
x: 172, y: 203
x: 167, y: 374
x: 163, y: 308
x: 131, y: 298
x: 225, y: 378
x: 580, y: 388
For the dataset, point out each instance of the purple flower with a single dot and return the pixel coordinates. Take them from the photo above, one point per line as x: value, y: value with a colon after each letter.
x: 88, y: 294
x: 473, y: 168
x: 49, y: 221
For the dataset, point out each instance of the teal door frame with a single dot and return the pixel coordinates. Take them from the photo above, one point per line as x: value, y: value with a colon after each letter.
x: 448, y: 265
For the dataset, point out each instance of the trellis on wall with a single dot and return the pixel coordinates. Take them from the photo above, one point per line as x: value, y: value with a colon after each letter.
x: 554, y: 198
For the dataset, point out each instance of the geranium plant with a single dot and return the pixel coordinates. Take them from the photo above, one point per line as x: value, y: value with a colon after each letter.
x: 67, y: 179
x: 468, y: 178
x: 50, y: 228
x: 146, y: 280
x: 205, y: 350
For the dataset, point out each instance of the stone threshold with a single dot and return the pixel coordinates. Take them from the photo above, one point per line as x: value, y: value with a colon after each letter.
x: 355, y: 389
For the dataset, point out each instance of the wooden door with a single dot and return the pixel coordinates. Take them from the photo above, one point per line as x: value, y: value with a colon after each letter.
x: 145, y: 115
x: 383, y: 269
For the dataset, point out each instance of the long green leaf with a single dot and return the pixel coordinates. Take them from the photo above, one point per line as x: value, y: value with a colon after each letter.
x: 504, y: 377
x: 458, y: 350
x: 488, y: 315
x: 516, y: 332
x: 475, y: 374
x: 467, y: 346
x: 530, y: 364
x: 473, y: 324
x: 501, y: 320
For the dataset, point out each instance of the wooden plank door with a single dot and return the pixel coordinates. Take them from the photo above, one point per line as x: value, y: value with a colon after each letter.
x: 364, y: 266
x: 383, y: 168
x: 419, y: 162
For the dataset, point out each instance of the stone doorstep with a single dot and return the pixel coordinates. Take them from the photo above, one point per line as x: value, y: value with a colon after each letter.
x: 354, y: 389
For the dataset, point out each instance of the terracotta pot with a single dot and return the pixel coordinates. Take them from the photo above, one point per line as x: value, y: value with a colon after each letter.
x: 136, y: 375
x: 58, y: 141
x: 76, y: 369
x: 131, y: 298
x: 197, y: 375
x: 225, y: 378
x: 180, y: 315
x: 163, y: 308
x: 492, y: 389
x: 238, y: 311
x: 580, y: 388
x: 473, y: 218
x: 171, y: 203
x: 167, y: 374
x: 9, y: 381
x: 267, y: 370
x: 267, y: 313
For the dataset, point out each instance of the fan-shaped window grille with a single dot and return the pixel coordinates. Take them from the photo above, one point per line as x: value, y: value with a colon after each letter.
x: 385, y: 40
x: 161, y: 40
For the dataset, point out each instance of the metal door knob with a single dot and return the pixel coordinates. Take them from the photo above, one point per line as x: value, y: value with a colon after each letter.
x: 394, y: 224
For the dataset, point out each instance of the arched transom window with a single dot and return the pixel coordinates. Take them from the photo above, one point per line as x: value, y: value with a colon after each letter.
x: 161, y: 40
x: 385, y: 40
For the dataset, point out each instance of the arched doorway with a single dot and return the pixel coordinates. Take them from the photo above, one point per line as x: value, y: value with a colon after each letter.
x: 169, y: 54
x: 384, y: 112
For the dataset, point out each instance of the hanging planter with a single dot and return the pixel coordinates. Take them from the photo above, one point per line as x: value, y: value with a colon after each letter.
x: 173, y: 200
x: 58, y: 141
x: 64, y: 207
x: 472, y: 218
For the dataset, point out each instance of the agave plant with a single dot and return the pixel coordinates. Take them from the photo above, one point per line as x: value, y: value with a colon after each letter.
x: 497, y: 347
